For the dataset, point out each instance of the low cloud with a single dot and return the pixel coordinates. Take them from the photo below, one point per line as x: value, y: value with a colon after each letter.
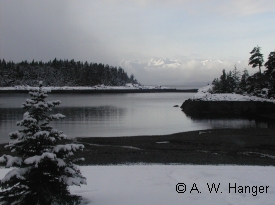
x: 191, y: 71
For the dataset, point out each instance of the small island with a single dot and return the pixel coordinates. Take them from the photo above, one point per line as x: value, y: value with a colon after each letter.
x: 235, y: 95
x: 205, y: 104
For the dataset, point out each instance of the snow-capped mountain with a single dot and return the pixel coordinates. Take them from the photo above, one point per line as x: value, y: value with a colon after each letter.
x: 211, y: 61
x: 164, y: 63
x: 153, y: 62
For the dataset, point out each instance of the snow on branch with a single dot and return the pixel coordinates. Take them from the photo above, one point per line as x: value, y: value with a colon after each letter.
x: 68, y: 147
x: 27, y: 119
x: 37, y: 159
x: 29, y: 101
x: 72, y: 180
x: 16, y: 135
x: 26, y: 115
x: 53, y: 103
x: 70, y: 170
x: 79, y: 159
x: 41, y: 133
x: 56, y: 133
x: 34, y: 93
x: 10, y: 160
x: 57, y: 116
x: 41, y: 105
x: 13, y: 143
x: 60, y: 162
x: 18, y: 173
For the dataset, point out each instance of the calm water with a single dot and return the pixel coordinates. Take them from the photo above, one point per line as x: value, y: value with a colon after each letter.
x: 103, y: 115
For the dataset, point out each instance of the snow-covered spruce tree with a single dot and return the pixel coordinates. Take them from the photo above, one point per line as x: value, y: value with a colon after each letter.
x: 44, y: 170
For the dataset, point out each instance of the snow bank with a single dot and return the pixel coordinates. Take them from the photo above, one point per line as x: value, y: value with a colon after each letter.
x: 204, y: 94
x: 128, y: 86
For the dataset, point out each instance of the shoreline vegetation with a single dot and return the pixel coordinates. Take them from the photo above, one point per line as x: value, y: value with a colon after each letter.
x: 62, y: 73
x: 247, y: 146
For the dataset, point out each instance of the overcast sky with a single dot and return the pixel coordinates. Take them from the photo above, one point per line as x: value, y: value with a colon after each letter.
x: 110, y: 31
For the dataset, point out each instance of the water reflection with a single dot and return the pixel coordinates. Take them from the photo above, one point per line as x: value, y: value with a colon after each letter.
x: 236, y: 122
x: 101, y: 113
x: 10, y: 114
x: 78, y: 121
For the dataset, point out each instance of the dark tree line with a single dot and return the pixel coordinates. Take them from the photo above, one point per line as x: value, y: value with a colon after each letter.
x: 259, y: 84
x: 62, y: 73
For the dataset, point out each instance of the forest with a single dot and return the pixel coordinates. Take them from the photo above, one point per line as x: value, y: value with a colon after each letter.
x: 261, y: 84
x: 62, y: 73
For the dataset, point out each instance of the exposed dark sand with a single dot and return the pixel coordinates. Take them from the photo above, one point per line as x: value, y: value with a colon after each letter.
x: 253, y: 146
x: 219, y: 146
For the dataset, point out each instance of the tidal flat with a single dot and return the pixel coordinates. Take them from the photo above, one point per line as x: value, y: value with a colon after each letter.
x: 253, y: 146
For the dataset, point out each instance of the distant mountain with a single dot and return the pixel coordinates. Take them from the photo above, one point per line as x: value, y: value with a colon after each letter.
x: 164, y: 63
x: 211, y: 61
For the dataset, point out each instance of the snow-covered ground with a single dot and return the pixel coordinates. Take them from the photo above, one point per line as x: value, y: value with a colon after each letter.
x: 156, y: 184
x: 205, y: 95
x: 96, y: 87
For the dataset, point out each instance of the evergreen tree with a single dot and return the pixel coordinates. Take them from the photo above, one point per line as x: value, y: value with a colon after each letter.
x: 223, y: 82
x: 216, y: 86
x: 236, y: 80
x: 270, y: 63
x: 229, y: 82
x: 236, y: 76
x: 243, y: 81
x: 270, y: 72
x: 44, y: 168
x: 133, y: 80
x: 256, y: 58
x: 271, y: 87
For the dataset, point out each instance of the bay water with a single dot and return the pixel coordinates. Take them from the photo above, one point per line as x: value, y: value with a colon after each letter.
x: 111, y: 115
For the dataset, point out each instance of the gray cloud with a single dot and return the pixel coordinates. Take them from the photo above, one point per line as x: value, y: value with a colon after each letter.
x: 43, y: 30
x: 108, y: 31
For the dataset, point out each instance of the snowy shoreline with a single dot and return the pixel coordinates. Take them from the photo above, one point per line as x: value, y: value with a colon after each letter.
x: 204, y: 94
x: 128, y: 88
